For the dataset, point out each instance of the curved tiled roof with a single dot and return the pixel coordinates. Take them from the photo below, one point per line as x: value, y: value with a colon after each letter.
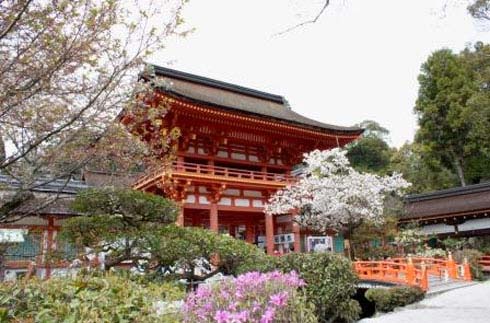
x: 234, y: 97
x: 459, y: 200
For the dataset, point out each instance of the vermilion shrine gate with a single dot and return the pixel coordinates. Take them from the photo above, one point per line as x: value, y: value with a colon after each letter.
x: 237, y: 147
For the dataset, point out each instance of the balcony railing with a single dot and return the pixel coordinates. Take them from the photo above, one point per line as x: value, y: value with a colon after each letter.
x: 217, y: 172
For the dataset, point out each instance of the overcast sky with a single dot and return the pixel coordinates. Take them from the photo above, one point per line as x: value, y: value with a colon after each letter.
x: 359, y: 61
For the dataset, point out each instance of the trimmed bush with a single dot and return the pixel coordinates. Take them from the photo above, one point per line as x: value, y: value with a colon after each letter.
x: 250, y: 298
x: 386, y: 300
x: 108, y: 298
x: 330, y: 284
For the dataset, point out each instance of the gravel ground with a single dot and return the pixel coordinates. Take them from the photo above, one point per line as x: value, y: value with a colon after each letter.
x: 469, y: 304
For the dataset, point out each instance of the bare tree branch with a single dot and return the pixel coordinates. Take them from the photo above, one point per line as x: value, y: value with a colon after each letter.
x: 11, y: 25
x: 304, y: 23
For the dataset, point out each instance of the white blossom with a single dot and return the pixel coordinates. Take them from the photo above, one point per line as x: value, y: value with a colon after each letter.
x: 330, y: 194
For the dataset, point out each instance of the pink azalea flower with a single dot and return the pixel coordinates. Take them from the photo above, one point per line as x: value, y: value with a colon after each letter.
x: 222, y: 316
x: 279, y: 299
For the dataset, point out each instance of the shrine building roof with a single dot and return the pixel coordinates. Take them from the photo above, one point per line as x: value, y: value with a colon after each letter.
x: 470, y: 199
x: 218, y: 94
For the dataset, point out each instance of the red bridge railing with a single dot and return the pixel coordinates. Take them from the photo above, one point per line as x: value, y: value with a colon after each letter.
x: 485, y: 263
x: 412, y: 271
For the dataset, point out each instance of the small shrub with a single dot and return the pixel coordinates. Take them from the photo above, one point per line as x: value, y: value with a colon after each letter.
x: 386, y: 300
x: 330, y: 281
x: 432, y: 253
x: 251, y: 297
x: 106, y: 298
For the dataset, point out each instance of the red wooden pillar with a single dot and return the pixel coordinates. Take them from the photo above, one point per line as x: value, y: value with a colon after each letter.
x: 297, y: 237
x: 213, y: 217
x: 48, y: 247
x: 250, y: 233
x: 269, y: 233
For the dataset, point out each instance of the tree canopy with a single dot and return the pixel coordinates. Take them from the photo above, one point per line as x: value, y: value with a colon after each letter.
x: 371, y: 152
x: 453, y: 111
x: 127, y: 225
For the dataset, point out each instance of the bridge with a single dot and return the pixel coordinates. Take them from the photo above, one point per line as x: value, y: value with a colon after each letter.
x: 427, y: 273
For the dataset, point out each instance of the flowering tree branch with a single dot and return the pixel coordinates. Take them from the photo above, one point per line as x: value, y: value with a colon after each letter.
x: 332, y: 195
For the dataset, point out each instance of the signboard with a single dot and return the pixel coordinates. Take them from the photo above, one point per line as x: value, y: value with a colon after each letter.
x: 319, y: 243
x: 12, y: 235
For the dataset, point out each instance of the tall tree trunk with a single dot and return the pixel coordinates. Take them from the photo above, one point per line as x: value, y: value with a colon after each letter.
x: 458, y: 162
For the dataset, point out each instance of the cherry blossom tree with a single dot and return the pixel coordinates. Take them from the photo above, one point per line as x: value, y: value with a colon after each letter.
x: 68, y: 69
x: 330, y: 194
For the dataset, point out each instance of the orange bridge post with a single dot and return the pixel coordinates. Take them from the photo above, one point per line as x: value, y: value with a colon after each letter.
x: 410, y: 276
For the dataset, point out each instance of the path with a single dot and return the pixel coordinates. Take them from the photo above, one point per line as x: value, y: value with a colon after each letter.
x: 469, y: 305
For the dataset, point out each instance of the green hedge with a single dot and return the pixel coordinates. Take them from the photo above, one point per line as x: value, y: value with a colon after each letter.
x: 331, y: 283
x: 386, y: 300
x: 107, y: 298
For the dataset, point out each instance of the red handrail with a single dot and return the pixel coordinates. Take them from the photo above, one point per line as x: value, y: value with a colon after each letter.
x: 412, y: 271
x: 392, y: 272
x: 485, y: 263
x: 228, y: 172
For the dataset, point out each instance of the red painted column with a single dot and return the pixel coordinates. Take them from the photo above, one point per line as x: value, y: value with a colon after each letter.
x: 250, y: 235
x: 213, y: 217
x: 297, y: 237
x: 49, y: 247
x: 269, y: 233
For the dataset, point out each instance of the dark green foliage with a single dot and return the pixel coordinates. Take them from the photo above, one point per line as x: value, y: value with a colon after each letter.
x: 134, y: 226
x: 454, y: 112
x: 132, y: 206
x: 371, y: 153
x: 331, y: 283
x: 425, y: 173
x: 173, y: 245
x: 386, y: 300
x: 117, y: 220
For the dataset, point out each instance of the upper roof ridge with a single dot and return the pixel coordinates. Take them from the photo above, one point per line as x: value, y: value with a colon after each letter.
x: 165, y: 71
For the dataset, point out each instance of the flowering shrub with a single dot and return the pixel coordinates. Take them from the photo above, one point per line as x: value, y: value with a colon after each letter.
x: 251, y: 297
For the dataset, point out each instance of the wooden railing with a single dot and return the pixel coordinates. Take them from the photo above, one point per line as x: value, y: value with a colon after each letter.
x: 229, y: 172
x: 215, y: 171
x: 412, y: 271
x: 392, y: 272
x: 485, y: 263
